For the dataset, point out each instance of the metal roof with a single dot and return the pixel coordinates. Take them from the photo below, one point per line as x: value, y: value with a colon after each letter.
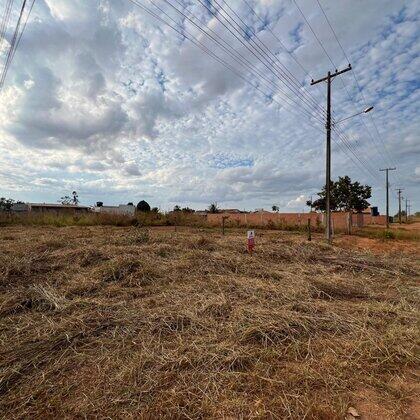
x: 57, y: 205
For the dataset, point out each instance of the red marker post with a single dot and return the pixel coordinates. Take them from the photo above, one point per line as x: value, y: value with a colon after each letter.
x: 251, y: 241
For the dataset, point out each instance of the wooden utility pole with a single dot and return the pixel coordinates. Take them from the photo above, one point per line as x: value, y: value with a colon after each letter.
x: 223, y: 223
x: 328, y: 79
x: 387, y: 193
x: 400, y: 190
x: 406, y: 209
x: 309, y: 230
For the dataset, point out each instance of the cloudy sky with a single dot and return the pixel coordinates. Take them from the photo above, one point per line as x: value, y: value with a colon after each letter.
x: 105, y: 99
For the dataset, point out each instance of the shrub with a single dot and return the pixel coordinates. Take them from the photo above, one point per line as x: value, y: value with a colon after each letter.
x: 387, y: 234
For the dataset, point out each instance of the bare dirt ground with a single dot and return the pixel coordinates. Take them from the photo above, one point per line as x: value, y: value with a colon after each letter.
x: 132, y: 323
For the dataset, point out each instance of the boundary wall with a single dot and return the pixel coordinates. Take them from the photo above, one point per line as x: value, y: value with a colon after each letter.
x: 265, y: 219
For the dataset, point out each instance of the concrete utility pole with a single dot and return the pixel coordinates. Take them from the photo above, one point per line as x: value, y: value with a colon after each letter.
x: 400, y: 190
x: 328, y: 79
x: 387, y: 193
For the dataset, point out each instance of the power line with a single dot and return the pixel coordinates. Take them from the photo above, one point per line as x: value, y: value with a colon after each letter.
x: 285, y: 71
x: 221, y: 61
x: 358, y: 86
x: 360, y: 163
x: 308, y: 113
x: 279, y: 40
x: 346, y: 143
x: 234, y: 54
x: 200, y: 45
x: 15, y: 41
x: 24, y: 27
x: 266, y: 63
x: 315, y: 35
x: 292, y: 55
x: 12, y: 47
x: 5, y: 21
x: 341, y: 79
x: 332, y: 62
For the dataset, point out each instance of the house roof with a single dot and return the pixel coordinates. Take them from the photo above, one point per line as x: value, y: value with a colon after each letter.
x: 57, y: 205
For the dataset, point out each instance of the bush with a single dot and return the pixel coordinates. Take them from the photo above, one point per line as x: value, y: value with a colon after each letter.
x: 387, y: 234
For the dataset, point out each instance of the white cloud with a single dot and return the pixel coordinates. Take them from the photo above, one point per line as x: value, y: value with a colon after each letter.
x: 298, y: 202
x: 104, y: 99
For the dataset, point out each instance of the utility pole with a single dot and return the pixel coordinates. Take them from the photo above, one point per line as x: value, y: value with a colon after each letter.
x: 400, y: 190
x: 387, y: 193
x: 328, y: 79
x: 406, y: 209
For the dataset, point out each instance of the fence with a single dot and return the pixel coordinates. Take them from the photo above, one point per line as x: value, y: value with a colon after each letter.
x: 340, y: 220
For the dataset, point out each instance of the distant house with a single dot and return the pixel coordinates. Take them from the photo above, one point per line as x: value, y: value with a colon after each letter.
x: 54, y: 208
x: 201, y: 212
x: 122, y: 209
x: 230, y: 211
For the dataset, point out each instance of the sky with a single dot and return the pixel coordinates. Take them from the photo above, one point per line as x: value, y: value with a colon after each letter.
x: 106, y: 99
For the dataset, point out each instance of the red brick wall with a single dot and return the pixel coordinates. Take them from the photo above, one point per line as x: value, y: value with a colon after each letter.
x: 339, y: 219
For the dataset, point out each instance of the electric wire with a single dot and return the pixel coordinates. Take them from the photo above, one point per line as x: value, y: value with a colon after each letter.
x: 236, y: 55
x: 263, y: 48
x: 293, y: 110
x: 357, y: 82
x: 24, y: 27
x: 12, y: 47
x: 341, y: 79
x: 257, y: 54
x: 345, y: 140
x: 5, y: 21
x: 292, y: 55
x: 221, y: 61
x: 200, y: 45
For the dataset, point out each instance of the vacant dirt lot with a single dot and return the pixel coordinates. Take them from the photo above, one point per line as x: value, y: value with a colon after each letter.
x: 124, y: 322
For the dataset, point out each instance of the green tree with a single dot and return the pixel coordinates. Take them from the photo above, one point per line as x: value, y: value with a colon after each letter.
x: 319, y: 204
x: 143, y: 206
x: 275, y: 208
x: 177, y: 208
x: 6, y: 204
x: 345, y: 196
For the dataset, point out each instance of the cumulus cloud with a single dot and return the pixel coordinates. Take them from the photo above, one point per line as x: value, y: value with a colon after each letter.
x: 298, y: 202
x: 106, y: 100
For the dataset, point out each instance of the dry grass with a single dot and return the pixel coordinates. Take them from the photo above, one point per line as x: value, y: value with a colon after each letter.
x: 124, y: 322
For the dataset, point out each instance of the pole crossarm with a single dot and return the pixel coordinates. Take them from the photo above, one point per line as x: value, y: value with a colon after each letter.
x: 332, y: 75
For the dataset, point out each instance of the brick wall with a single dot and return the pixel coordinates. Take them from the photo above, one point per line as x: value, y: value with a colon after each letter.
x: 339, y: 219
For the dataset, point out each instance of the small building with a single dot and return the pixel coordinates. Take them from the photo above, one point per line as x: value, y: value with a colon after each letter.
x: 230, y: 211
x: 122, y: 209
x: 54, y: 208
x: 201, y: 212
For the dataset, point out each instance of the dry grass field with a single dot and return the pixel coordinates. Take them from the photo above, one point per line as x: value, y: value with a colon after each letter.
x: 122, y: 322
